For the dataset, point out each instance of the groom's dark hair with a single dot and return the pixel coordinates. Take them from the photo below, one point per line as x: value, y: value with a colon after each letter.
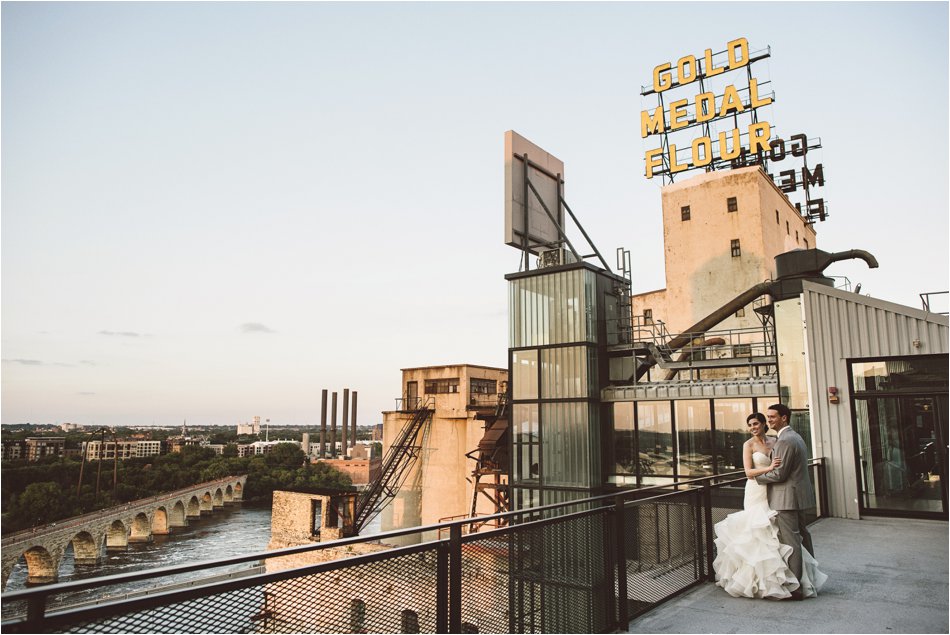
x: 758, y: 416
x: 782, y: 410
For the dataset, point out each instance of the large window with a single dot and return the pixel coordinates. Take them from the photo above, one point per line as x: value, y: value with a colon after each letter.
x: 442, y: 386
x: 565, y: 443
x: 900, y: 418
x: 524, y: 374
x: 622, y: 449
x: 653, y: 442
x: 483, y: 386
x: 656, y: 440
x: 524, y: 419
x: 554, y: 308
x: 564, y: 373
x: 731, y: 431
x: 694, y: 435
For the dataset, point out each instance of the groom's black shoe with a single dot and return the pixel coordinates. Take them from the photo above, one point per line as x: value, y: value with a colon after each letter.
x: 797, y: 595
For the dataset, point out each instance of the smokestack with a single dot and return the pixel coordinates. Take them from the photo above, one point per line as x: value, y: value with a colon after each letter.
x: 323, y: 424
x: 353, y: 423
x: 346, y: 420
x: 333, y: 426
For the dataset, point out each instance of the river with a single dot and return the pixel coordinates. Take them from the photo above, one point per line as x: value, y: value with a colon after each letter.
x: 229, y: 532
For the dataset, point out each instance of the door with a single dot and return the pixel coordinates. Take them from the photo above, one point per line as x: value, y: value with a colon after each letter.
x: 902, y: 442
x: 412, y: 395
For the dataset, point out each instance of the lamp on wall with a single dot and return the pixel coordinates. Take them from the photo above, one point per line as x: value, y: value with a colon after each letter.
x: 833, y: 395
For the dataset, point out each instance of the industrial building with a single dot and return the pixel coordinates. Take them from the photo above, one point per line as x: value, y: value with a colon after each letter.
x: 437, y: 482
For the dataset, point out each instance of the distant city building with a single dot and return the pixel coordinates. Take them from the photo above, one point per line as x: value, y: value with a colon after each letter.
x: 40, y: 447
x: 378, y: 432
x: 262, y: 447
x: 148, y: 448
x: 175, y: 444
x: 250, y: 428
x: 69, y: 427
x: 14, y: 450
x: 99, y: 450
x: 217, y: 447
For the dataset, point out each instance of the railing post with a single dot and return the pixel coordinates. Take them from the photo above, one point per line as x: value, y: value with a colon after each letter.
x: 442, y: 588
x: 623, y: 612
x: 823, y: 488
x: 35, y: 613
x: 710, y: 544
x: 455, y: 578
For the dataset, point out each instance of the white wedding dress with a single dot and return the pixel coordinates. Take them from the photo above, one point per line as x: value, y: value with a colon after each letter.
x: 750, y: 560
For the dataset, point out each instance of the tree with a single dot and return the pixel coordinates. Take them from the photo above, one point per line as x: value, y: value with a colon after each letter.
x: 41, y: 503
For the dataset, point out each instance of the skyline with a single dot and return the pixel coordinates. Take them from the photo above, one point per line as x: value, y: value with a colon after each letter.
x: 215, y: 211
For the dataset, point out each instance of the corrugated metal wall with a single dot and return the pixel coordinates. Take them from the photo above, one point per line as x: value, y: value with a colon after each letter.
x: 839, y: 326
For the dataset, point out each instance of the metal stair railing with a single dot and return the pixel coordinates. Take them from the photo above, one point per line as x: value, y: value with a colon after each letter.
x: 401, y: 455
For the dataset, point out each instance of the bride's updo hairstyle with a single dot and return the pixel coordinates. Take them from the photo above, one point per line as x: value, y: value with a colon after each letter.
x: 758, y: 416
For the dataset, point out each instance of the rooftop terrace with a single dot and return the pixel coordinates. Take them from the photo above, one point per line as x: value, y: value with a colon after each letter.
x: 885, y: 575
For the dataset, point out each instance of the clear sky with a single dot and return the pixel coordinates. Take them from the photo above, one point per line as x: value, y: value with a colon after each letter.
x: 214, y: 211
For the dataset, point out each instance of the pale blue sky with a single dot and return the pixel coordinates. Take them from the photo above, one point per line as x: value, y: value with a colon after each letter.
x: 213, y: 211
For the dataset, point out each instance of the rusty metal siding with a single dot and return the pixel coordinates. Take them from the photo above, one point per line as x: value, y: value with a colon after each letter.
x: 840, y: 326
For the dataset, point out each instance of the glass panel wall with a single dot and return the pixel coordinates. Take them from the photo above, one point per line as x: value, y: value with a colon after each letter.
x: 731, y: 431
x: 694, y: 435
x: 566, y: 444
x: 555, y: 308
x: 524, y: 374
x: 526, y: 463
x: 564, y: 373
x: 656, y: 440
x: 900, y: 415
x: 622, y: 456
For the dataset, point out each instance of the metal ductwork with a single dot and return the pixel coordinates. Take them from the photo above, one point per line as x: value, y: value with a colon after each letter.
x: 792, y: 267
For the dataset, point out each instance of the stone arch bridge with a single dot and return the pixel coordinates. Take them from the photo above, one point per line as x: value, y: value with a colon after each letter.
x: 113, y: 528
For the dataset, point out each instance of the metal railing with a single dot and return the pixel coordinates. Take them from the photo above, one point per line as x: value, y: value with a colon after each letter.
x: 586, y: 566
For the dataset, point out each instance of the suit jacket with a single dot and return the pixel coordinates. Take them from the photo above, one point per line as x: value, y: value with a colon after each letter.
x: 789, y: 485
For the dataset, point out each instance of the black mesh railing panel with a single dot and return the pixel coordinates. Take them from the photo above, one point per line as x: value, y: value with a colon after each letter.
x: 560, y: 578
x: 392, y: 595
x: 485, y: 584
x: 583, y: 567
x: 664, y: 546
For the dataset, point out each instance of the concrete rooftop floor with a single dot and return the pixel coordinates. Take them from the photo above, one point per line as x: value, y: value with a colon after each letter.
x: 885, y: 575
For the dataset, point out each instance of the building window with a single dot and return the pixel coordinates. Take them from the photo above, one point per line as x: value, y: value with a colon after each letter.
x: 736, y: 252
x: 483, y: 386
x: 648, y: 316
x: 732, y: 204
x: 805, y: 240
x: 740, y: 312
x: 776, y: 217
x: 684, y: 212
x: 442, y: 386
x: 316, y: 517
x: 796, y: 235
x: 787, y: 230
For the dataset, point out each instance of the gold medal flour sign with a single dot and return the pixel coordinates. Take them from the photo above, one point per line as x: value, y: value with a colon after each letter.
x: 701, y: 107
x: 706, y: 117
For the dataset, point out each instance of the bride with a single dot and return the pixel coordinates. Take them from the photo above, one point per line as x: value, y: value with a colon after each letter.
x: 750, y: 560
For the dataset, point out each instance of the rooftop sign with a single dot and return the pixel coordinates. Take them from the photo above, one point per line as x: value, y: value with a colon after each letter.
x: 707, y: 116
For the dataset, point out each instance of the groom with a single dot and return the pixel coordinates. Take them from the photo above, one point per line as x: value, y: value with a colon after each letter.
x: 790, y: 492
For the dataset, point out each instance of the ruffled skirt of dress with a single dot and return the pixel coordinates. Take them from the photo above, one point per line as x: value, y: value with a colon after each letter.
x: 750, y: 560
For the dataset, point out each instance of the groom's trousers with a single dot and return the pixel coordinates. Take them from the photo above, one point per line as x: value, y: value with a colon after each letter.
x: 793, y: 531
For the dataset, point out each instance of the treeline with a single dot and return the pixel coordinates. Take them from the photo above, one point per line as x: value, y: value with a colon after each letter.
x: 46, y: 491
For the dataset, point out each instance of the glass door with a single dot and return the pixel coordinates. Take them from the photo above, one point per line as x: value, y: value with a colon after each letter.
x: 902, y: 443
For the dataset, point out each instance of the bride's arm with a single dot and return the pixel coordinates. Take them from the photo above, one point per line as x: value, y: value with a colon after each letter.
x: 751, y: 471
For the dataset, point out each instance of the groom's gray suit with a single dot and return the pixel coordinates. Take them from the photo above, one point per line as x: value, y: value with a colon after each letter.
x: 790, y: 494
